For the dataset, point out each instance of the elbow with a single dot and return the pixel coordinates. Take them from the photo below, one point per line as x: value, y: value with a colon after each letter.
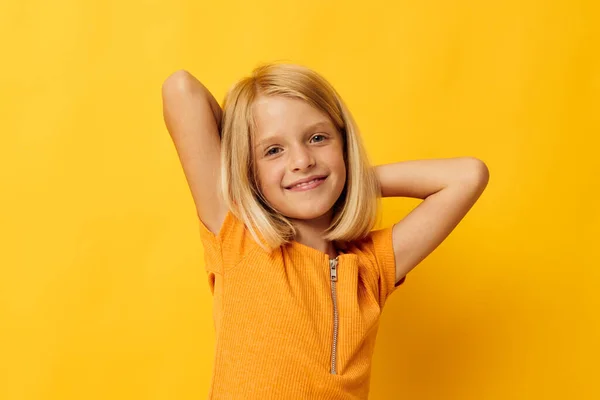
x: 180, y: 81
x: 482, y: 172
x: 477, y: 172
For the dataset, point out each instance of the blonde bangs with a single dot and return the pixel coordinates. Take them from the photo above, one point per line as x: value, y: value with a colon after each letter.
x: 355, y: 213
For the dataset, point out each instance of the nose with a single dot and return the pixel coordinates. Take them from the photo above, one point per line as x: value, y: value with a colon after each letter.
x: 301, y: 158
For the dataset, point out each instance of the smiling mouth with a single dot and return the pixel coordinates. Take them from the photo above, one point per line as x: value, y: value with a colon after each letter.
x: 308, y: 185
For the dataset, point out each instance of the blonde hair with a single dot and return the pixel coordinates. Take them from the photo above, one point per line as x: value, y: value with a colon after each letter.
x: 355, y: 211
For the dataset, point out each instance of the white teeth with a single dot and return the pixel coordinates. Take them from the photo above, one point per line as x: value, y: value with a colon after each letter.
x: 306, y: 183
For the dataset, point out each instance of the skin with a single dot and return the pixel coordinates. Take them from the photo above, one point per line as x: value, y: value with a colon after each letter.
x: 449, y: 187
x: 294, y: 141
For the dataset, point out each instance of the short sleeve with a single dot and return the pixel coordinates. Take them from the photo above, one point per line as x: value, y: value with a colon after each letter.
x: 386, y: 262
x: 213, y: 259
x: 228, y: 247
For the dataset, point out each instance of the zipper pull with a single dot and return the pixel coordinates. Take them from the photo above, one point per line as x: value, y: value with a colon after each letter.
x: 333, y: 269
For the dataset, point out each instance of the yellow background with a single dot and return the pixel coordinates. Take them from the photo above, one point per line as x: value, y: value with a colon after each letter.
x: 102, y: 289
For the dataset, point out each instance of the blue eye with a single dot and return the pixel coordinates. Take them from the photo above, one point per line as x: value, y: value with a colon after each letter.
x: 273, y: 150
x: 270, y: 153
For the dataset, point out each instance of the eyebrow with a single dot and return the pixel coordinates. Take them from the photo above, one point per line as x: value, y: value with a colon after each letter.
x: 318, y: 124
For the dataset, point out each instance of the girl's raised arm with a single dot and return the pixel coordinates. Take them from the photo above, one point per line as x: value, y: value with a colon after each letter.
x: 193, y: 119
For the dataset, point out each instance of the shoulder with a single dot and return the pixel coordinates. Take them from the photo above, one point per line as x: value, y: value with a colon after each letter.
x: 375, y: 252
x: 232, y: 242
x: 377, y: 243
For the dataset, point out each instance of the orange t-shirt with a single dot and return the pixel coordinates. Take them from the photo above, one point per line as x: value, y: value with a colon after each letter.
x: 275, y: 315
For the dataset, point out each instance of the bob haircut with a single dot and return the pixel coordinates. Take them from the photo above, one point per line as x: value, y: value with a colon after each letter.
x: 355, y: 211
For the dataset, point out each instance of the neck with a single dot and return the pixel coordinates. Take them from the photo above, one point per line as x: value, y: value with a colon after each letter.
x: 309, y: 232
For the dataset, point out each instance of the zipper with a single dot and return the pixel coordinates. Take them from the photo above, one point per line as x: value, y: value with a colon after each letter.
x: 333, y: 273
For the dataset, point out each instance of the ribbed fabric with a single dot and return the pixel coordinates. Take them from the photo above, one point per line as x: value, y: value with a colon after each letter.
x: 273, y: 315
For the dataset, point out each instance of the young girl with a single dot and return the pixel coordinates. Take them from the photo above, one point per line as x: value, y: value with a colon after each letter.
x: 286, y: 202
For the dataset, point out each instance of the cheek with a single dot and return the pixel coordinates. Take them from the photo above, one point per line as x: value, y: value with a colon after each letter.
x: 337, y: 157
x: 268, y: 177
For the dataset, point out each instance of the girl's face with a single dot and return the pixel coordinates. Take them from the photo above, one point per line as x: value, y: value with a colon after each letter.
x: 294, y: 142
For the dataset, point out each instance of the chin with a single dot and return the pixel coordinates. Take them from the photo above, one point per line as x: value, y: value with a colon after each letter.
x: 306, y: 213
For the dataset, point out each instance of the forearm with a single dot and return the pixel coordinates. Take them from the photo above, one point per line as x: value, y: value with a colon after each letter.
x: 422, y: 178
